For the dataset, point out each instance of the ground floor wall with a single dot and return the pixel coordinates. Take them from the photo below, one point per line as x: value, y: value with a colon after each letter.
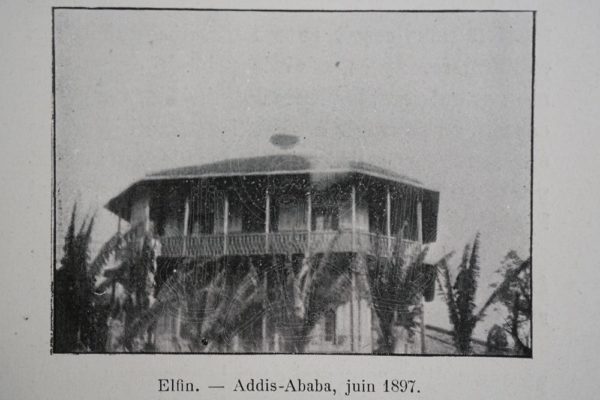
x: 346, y: 327
x: 170, y: 338
x: 352, y: 330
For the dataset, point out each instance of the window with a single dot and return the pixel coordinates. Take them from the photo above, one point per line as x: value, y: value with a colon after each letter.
x: 377, y: 216
x: 325, y: 219
x: 253, y: 219
x: 202, y: 214
x: 202, y: 223
x: 158, y: 215
x: 330, y: 326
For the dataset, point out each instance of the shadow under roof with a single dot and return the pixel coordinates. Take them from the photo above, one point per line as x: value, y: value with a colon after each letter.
x: 279, y: 164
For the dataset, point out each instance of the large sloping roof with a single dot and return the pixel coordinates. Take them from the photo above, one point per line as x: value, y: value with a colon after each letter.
x: 279, y: 164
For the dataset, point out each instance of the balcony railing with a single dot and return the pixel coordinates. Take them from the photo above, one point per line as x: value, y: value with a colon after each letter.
x: 290, y: 242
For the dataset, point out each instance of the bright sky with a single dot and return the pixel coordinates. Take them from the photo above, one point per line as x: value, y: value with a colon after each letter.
x: 444, y: 98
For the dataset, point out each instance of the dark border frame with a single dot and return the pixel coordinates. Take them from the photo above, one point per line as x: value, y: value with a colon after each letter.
x: 433, y: 11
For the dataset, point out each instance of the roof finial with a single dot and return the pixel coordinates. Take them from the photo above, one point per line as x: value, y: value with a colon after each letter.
x: 284, y: 142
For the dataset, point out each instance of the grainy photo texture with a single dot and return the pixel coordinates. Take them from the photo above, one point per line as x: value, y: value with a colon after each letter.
x: 292, y: 182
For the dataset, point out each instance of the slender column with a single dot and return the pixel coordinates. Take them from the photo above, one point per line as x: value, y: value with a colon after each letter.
x: 178, y: 322
x: 276, y: 342
x: 147, y: 216
x: 352, y: 272
x: 353, y: 195
x: 423, y: 346
x: 353, y: 290
x: 267, y: 219
x: 119, y: 225
x: 186, y: 223
x: 265, y: 345
x: 420, y: 240
x: 359, y: 265
x: 388, y: 219
x: 186, y: 216
x: 225, y: 222
x: 420, y: 222
x: 308, y: 221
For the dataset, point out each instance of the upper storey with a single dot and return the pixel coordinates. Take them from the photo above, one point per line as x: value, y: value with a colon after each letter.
x: 281, y: 193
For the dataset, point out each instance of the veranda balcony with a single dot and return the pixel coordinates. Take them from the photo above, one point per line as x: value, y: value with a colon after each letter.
x: 290, y: 242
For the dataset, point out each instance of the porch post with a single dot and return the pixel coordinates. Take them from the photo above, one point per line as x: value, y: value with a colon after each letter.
x: 420, y: 222
x: 276, y: 342
x: 186, y: 223
x: 265, y: 345
x: 147, y: 216
x: 423, y: 346
x: 420, y: 243
x: 267, y: 219
x: 186, y: 216
x: 359, y: 265
x: 178, y: 322
x: 353, y: 290
x: 352, y: 272
x: 388, y: 219
x: 353, y: 218
x: 308, y: 221
x: 225, y: 222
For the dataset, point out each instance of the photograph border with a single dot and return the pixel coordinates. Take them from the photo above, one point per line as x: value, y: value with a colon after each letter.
x: 53, y: 229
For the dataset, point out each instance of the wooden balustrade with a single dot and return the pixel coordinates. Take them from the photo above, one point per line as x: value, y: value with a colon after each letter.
x: 293, y: 242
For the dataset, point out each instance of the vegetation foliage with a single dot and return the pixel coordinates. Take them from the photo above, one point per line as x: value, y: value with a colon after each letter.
x: 222, y: 309
x: 78, y: 318
x: 514, y: 291
x: 397, y: 288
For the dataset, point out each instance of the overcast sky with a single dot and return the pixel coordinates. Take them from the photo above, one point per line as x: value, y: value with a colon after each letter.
x: 444, y: 98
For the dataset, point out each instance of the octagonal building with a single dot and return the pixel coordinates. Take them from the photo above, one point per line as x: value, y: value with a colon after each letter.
x: 281, y: 206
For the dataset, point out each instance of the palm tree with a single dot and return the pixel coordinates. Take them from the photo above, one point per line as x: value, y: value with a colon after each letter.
x: 219, y: 303
x: 514, y: 292
x: 460, y: 296
x: 134, y: 256
x: 302, y: 294
x: 216, y: 307
x: 229, y: 302
x: 396, y: 288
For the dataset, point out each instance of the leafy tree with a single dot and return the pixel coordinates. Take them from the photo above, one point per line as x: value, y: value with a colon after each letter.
x: 514, y: 292
x: 497, y: 342
x: 77, y: 325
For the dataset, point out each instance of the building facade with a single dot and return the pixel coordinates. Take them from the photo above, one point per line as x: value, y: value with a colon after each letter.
x: 287, y: 207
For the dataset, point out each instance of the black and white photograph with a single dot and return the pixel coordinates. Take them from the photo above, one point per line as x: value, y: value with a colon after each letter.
x: 292, y: 182
x: 302, y: 199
